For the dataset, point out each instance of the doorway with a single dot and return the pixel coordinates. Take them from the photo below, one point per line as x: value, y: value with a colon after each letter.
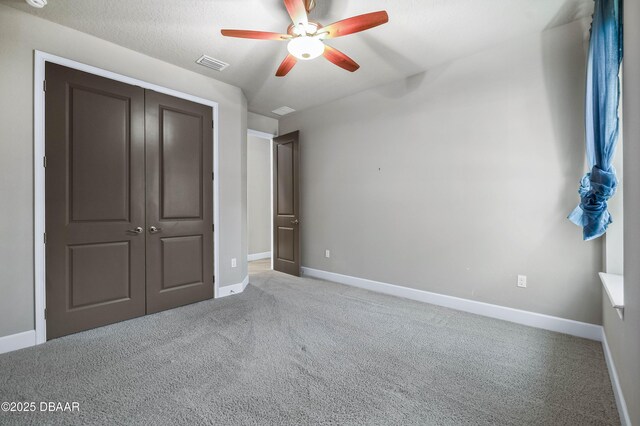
x: 259, y: 201
x: 273, y: 203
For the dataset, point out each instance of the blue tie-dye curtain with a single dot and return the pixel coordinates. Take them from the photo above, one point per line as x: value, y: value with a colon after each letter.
x: 603, y: 97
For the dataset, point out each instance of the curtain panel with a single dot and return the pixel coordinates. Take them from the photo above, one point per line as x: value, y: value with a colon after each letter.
x: 601, y: 119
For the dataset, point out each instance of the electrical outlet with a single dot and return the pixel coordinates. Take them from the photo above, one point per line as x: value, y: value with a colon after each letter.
x: 522, y: 281
x: 327, y: 254
x: 234, y: 263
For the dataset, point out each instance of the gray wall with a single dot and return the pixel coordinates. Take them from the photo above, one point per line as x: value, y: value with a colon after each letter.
x: 258, y: 194
x: 614, y: 238
x: 20, y: 34
x: 623, y: 336
x: 262, y: 123
x: 459, y: 179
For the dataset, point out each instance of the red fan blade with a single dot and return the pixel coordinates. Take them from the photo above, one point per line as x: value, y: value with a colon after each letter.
x: 286, y: 66
x: 260, y: 35
x: 340, y: 59
x: 355, y: 24
x: 297, y: 11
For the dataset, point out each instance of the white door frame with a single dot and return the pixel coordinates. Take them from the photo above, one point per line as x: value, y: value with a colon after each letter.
x: 270, y: 137
x: 39, y: 174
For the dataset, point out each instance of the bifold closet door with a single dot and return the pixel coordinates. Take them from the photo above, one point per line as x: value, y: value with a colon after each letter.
x: 95, y: 201
x: 179, y: 170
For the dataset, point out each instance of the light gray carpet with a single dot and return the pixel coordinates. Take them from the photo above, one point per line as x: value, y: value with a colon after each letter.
x: 304, y: 351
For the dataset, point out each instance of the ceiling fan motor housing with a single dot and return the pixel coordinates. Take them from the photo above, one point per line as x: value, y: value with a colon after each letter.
x: 311, y: 29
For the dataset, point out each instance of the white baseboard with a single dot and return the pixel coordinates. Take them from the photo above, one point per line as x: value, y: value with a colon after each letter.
x: 258, y: 256
x: 532, y: 319
x: 228, y: 290
x: 625, y: 420
x: 17, y: 341
x: 245, y: 282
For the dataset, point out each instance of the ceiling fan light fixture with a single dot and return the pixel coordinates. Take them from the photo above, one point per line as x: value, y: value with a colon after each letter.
x: 306, y: 48
x: 306, y: 37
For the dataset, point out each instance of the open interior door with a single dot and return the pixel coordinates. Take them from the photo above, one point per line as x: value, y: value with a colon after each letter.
x: 286, y: 204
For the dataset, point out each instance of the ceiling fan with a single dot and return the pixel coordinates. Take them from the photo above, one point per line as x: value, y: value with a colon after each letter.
x: 306, y: 37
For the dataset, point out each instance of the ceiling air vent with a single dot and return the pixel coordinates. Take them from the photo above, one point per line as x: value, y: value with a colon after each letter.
x: 213, y: 63
x: 283, y: 111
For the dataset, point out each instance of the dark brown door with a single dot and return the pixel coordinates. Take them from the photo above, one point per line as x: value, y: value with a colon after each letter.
x: 95, y: 201
x: 286, y: 204
x: 179, y: 152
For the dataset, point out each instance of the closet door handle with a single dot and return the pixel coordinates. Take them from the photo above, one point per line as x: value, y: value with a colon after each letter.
x: 137, y: 230
x: 154, y: 230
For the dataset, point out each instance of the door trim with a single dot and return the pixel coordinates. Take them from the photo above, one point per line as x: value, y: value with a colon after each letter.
x: 40, y: 59
x: 259, y: 134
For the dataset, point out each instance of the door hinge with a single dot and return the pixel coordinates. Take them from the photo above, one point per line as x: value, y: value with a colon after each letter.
x: 45, y: 313
x: 213, y: 176
x: 44, y: 85
x: 212, y: 124
x: 213, y: 228
x: 44, y: 161
x: 45, y: 238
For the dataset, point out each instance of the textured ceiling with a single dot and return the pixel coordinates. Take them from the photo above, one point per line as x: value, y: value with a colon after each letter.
x: 420, y: 34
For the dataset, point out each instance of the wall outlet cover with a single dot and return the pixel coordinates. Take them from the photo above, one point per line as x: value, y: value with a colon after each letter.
x: 522, y: 281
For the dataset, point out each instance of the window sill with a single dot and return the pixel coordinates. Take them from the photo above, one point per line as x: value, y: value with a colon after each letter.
x: 614, y: 286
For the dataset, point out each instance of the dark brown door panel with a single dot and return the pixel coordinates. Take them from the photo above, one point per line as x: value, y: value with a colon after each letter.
x: 286, y: 204
x: 179, y: 159
x: 94, y: 197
